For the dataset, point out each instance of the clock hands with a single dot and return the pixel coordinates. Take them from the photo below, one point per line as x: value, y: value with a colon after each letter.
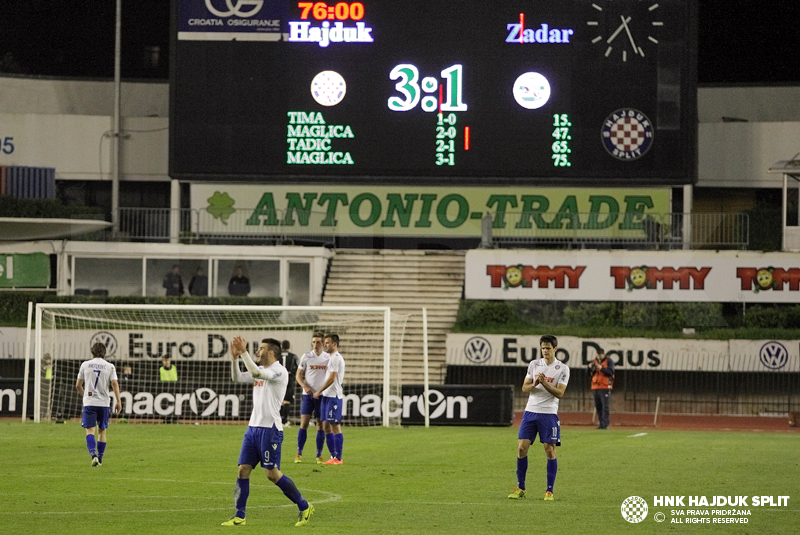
x: 622, y: 26
x: 636, y: 50
x: 642, y: 21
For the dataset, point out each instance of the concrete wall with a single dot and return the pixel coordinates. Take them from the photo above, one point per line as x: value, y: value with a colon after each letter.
x: 46, y: 96
x: 752, y: 103
x: 738, y: 155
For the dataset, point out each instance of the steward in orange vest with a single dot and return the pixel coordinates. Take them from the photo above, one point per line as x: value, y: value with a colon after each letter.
x: 603, y: 372
x: 602, y: 369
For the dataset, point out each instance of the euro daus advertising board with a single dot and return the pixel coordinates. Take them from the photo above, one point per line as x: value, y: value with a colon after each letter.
x: 149, y: 344
x: 638, y: 354
x: 555, y: 91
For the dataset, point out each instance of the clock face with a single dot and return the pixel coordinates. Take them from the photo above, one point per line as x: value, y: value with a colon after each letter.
x: 626, y: 31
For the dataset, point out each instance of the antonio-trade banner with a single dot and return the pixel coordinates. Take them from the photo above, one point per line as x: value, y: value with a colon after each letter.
x: 630, y: 353
x: 423, y: 210
x: 620, y: 275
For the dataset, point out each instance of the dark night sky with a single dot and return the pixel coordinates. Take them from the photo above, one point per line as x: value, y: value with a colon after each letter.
x: 739, y: 42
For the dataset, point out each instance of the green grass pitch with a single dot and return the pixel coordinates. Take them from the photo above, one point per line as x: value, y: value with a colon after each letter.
x: 178, y: 479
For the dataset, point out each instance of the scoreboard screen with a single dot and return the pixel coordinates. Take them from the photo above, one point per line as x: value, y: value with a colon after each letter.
x: 579, y: 92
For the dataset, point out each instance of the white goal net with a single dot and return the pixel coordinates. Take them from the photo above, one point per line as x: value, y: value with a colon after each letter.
x: 197, y: 340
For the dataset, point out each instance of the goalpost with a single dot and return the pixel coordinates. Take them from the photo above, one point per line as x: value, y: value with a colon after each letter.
x: 197, y: 339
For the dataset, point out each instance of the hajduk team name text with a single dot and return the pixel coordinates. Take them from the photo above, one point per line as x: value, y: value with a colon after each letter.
x: 303, y: 32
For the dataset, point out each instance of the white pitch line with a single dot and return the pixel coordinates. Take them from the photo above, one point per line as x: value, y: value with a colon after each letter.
x: 332, y: 497
x: 161, y: 480
x: 637, y: 435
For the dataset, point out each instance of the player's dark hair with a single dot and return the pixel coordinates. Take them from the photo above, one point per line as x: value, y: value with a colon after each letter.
x: 548, y: 339
x: 98, y: 350
x: 285, y: 345
x: 601, y: 351
x: 334, y: 337
x: 318, y: 334
x: 273, y: 345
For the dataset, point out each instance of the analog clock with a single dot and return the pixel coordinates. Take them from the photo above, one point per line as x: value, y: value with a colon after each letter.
x: 625, y: 30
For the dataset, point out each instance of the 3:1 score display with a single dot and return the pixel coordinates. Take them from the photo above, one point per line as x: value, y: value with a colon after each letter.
x: 561, y: 146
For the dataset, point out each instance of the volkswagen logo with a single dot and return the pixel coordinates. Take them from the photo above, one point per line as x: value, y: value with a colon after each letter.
x: 255, y: 7
x: 107, y: 339
x: 478, y: 350
x: 773, y: 355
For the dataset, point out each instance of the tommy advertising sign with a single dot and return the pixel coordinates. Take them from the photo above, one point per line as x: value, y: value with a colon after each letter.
x: 625, y: 275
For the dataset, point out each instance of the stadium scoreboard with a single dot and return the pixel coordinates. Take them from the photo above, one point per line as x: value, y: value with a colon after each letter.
x: 580, y: 92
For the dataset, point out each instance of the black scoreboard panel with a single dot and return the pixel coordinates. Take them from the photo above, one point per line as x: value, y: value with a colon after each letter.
x: 577, y: 92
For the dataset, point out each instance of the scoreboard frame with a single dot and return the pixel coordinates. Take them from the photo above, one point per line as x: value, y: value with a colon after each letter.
x: 548, y: 96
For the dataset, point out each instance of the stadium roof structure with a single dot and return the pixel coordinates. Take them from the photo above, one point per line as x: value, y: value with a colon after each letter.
x: 30, y: 229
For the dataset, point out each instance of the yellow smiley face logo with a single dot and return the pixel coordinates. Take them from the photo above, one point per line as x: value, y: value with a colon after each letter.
x: 638, y: 277
x: 764, y: 278
x: 513, y: 276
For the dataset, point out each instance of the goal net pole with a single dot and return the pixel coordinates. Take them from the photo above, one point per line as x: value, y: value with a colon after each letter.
x: 27, y: 362
x: 386, y: 372
x: 37, y: 376
x: 426, y: 379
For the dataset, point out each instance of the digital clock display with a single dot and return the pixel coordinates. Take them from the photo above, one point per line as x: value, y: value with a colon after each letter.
x: 575, y: 92
x: 338, y: 11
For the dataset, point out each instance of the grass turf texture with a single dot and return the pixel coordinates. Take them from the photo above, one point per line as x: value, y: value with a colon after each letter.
x: 179, y: 479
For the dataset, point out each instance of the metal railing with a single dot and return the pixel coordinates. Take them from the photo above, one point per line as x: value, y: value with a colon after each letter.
x: 729, y: 393
x: 201, y: 226
x: 592, y: 230
x: 500, y: 229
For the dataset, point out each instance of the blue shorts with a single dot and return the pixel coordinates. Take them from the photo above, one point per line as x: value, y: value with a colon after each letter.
x: 332, y: 410
x: 546, y: 425
x: 262, y: 445
x: 95, y: 416
x: 311, y: 406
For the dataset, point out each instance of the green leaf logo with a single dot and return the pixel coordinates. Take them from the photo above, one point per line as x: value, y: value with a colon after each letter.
x: 220, y: 205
